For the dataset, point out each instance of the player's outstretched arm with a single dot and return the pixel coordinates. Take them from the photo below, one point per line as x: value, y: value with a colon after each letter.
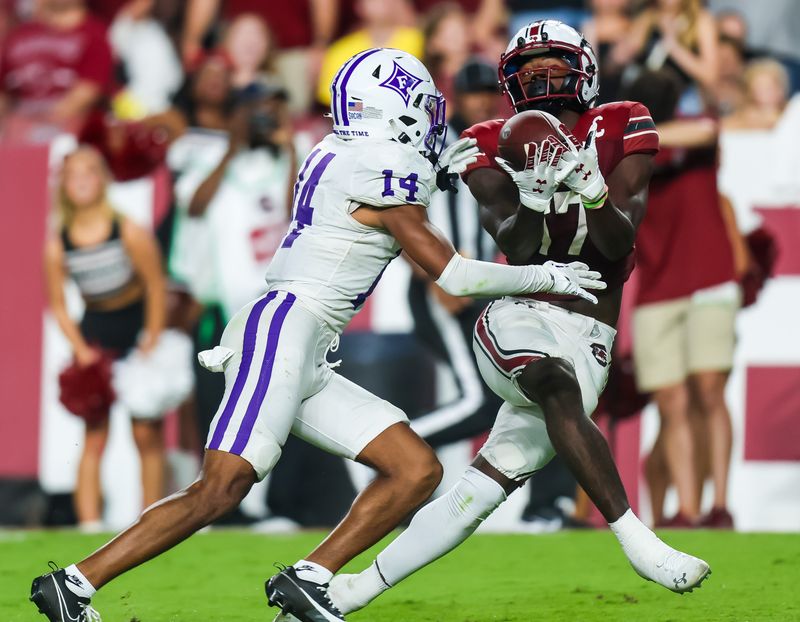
x: 517, y: 230
x: 428, y: 247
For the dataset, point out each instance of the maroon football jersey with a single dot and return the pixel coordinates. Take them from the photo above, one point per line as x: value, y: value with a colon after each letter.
x: 621, y: 129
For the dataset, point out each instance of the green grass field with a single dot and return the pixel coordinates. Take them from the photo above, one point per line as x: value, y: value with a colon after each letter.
x: 575, y: 576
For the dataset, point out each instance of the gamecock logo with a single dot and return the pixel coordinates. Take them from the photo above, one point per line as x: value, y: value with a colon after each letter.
x: 600, y: 353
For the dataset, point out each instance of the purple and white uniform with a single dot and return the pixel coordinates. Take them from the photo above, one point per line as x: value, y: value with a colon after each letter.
x: 273, y: 351
x: 328, y: 259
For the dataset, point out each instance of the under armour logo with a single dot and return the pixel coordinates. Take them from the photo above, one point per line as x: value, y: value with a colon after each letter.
x: 401, y: 82
x: 541, y: 183
x: 677, y: 582
x: 74, y: 580
x: 586, y: 173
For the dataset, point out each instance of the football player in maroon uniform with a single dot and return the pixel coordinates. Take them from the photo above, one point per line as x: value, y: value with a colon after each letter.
x: 548, y: 359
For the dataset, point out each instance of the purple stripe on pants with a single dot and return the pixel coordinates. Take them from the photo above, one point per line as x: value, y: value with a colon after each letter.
x: 248, y: 347
x: 264, y: 377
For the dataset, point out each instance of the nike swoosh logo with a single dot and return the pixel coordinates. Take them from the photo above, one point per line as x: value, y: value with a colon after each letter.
x: 62, y: 605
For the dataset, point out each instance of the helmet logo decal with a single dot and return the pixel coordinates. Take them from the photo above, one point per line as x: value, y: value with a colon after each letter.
x: 401, y: 82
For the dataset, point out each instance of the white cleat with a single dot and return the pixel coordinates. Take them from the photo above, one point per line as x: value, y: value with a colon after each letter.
x: 674, y: 570
x: 285, y: 617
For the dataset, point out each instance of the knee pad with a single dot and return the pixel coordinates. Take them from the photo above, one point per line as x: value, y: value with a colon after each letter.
x: 263, y: 452
x: 518, y: 444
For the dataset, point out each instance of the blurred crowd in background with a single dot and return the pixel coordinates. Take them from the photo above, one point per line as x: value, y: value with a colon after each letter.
x: 222, y: 98
x: 66, y: 61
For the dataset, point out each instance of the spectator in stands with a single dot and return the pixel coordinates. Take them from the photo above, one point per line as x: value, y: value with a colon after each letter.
x: 683, y: 323
x: 732, y: 25
x: 523, y: 12
x: 206, y: 97
x: 730, y: 92
x: 379, y: 28
x: 147, y: 59
x: 766, y: 93
x: 488, y: 24
x: 303, y: 30
x: 199, y: 119
x: 608, y: 25
x: 236, y: 194
x: 447, y: 44
x: 117, y: 268
x: 53, y: 71
x: 771, y: 29
x: 250, y: 45
x: 681, y: 35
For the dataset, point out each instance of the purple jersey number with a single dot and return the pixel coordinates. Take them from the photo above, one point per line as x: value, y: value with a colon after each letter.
x: 304, y: 193
x: 406, y: 183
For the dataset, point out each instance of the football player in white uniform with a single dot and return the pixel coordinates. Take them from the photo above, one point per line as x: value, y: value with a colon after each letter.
x: 360, y: 198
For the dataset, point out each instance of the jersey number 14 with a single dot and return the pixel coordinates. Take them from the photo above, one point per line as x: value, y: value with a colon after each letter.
x: 406, y: 183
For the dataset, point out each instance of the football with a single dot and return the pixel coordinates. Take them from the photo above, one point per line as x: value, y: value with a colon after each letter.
x: 531, y: 126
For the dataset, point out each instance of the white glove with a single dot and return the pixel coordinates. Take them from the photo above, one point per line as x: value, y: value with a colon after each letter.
x: 544, y: 172
x: 454, y: 161
x: 469, y: 277
x: 458, y: 156
x: 574, y: 279
x: 585, y: 178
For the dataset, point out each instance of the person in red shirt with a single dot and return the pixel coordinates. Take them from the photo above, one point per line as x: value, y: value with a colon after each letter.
x: 685, y: 310
x: 53, y: 71
x: 580, y: 198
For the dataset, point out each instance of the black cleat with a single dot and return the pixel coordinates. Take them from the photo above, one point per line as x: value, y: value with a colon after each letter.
x: 306, y: 600
x: 55, y: 600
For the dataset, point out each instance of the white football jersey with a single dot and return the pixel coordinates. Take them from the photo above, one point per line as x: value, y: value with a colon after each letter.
x: 330, y: 261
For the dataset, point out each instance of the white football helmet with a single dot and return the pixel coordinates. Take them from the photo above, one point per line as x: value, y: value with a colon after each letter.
x: 532, y: 90
x: 388, y: 93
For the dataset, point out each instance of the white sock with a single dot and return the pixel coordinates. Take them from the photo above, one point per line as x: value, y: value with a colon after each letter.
x: 638, y: 542
x: 351, y: 592
x: 436, y: 529
x: 77, y: 583
x: 309, y: 571
x: 628, y: 527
